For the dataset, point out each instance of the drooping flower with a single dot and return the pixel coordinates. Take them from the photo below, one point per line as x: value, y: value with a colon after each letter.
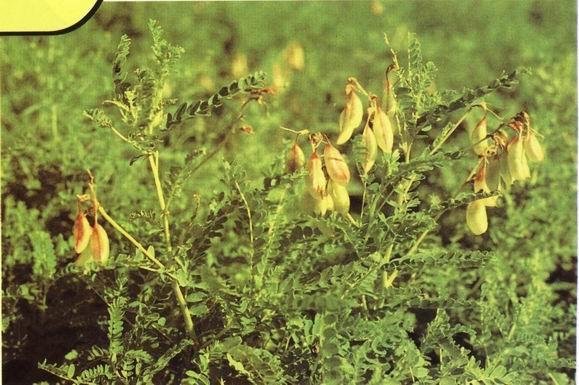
x: 477, y: 137
x: 504, y: 170
x: 316, y: 179
x: 476, y: 217
x: 336, y: 165
x: 321, y: 206
x: 81, y: 232
x: 390, y: 103
x: 517, y: 161
x: 98, y: 247
x: 480, y: 180
x: 351, y: 115
x: 99, y: 244
x: 371, y: 148
x: 533, y: 148
x: 296, y: 158
x: 383, y: 130
x: 340, y: 197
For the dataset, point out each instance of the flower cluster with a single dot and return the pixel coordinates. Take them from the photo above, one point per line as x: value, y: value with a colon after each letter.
x: 502, y: 161
x: 328, y: 175
x: 91, y: 242
x: 378, y: 131
x: 326, y: 179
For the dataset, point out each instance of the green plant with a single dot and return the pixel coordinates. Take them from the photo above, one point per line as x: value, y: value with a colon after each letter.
x: 332, y: 273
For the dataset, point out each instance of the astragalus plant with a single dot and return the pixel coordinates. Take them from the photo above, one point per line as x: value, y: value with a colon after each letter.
x: 331, y: 268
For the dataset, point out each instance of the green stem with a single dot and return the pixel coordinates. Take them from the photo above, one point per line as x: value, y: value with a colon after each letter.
x: 411, y: 180
x: 416, y: 243
x: 131, y: 239
x: 118, y: 133
x: 154, y: 163
x: 449, y: 133
x: 229, y: 132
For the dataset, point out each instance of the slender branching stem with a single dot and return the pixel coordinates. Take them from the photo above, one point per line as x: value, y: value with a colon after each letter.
x: 422, y: 236
x: 154, y: 163
x: 118, y: 133
x: 132, y: 239
x: 449, y: 133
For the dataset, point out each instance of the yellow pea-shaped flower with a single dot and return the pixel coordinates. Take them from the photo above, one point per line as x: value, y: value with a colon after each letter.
x: 296, y: 159
x: 517, y: 161
x: 476, y: 217
x: 316, y: 179
x: 371, y: 148
x: 81, y: 232
x: 533, y: 148
x: 477, y: 137
x: 340, y: 197
x: 480, y: 180
x: 383, y: 130
x: 98, y: 247
x: 351, y: 115
x: 99, y: 243
x: 336, y: 165
x: 324, y: 205
x: 504, y: 171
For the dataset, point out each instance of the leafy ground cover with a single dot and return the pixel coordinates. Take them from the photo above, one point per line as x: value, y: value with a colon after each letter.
x: 245, y: 236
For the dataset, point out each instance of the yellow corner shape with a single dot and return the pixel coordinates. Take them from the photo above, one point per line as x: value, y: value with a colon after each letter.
x: 42, y: 15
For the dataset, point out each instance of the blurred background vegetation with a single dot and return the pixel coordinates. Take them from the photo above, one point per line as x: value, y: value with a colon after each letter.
x: 47, y: 144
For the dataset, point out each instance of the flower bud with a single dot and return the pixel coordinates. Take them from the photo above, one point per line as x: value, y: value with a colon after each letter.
x: 296, y: 159
x: 351, y: 116
x: 99, y: 243
x: 81, y: 232
x: 340, y: 197
x: 476, y: 217
x: 477, y: 137
x: 336, y: 165
x: 371, y: 148
x: 383, y: 130
x: 533, y: 148
x: 315, y: 180
x: 517, y: 161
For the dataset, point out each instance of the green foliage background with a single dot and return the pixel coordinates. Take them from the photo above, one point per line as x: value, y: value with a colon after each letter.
x: 494, y: 309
